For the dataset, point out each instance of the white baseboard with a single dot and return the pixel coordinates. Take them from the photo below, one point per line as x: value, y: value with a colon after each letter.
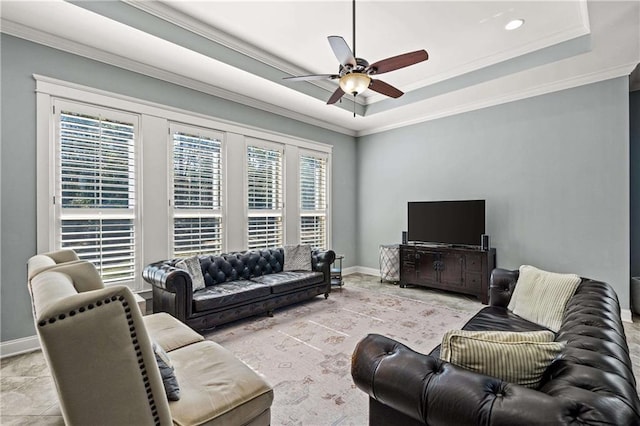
x: 625, y: 314
x: 361, y: 270
x: 19, y: 346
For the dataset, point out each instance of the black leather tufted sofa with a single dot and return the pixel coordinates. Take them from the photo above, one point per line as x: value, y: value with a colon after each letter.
x: 238, y: 285
x: 590, y: 383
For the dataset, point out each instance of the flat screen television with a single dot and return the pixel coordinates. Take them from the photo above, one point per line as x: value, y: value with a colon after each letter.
x: 446, y: 222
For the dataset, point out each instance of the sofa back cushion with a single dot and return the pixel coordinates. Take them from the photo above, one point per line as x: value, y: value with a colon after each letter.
x: 595, y: 369
x: 222, y: 268
x: 217, y: 269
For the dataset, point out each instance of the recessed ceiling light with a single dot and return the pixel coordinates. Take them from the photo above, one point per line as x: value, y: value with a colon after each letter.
x: 514, y: 24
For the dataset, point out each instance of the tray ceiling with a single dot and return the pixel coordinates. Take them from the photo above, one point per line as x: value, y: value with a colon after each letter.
x: 241, y: 50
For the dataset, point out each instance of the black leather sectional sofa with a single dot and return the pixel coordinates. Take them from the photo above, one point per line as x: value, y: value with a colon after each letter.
x: 590, y: 383
x: 238, y: 285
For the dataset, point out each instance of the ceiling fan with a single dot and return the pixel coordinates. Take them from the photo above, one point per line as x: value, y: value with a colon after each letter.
x: 355, y: 73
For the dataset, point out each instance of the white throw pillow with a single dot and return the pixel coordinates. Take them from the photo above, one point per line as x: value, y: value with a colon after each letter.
x: 542, y: 296
x: 297, y: 258
x: 192, y: 266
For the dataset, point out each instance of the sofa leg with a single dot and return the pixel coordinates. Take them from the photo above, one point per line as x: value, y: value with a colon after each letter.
x: 326, y: 295
x: 270, y: 313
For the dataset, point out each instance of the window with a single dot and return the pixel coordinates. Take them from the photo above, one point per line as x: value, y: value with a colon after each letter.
x: 197, y: 191
x: 313, y: 201
x: 125, y: 182
x: 95, y: 196
x: 264, y: 196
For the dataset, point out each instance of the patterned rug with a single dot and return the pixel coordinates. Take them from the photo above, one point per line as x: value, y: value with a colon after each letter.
x: 304, y: 351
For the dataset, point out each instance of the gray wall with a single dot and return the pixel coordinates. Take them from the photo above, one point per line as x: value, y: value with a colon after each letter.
x: 20, y: 59
x: 554, y: 170
x: 634, y: 142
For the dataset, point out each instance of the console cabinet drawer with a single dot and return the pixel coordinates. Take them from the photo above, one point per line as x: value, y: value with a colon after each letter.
x: 474, y: 263
x: 473, y: 280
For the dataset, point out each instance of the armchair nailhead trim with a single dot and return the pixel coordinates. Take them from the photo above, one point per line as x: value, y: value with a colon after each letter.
x: 134, y: 341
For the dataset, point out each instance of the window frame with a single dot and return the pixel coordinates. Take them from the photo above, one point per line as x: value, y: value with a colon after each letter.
x: 221, y: 212
x: 278, y: 212
x: 59, y: 213
x: 323, y: 212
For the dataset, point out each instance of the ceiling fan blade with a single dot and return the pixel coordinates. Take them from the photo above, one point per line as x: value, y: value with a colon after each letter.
x: 342, y: 51
x: 397, y: 62
x: 312, y: 77
x: 339, y: 93
x: 385, y: 88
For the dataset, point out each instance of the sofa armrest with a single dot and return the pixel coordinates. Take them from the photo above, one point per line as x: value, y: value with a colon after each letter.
x: 172, y: 289
x: 391, y: 373
x: 321, y: 262
x: 167, y: 277
x: 501, y: 286
x: 436, y: 392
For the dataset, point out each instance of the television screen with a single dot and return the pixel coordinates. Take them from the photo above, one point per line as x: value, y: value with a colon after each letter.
x: 446, y: 222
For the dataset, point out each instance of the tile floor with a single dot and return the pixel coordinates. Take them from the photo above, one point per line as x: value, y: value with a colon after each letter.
x: 27, y: 394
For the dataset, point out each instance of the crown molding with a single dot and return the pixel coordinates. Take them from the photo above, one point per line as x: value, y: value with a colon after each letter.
x: 499, y: 59
x: 579, y: 30
x: 63, y: 44
x: 169, y: 14
x: 555, y: 86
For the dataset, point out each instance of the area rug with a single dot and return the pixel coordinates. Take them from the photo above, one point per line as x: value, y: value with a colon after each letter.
x: 304, y: 351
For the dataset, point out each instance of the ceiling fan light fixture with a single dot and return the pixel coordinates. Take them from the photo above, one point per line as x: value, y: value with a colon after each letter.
x: 354, y: 83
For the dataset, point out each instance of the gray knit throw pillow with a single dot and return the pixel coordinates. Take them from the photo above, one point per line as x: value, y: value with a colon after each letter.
x: 192, y: 266
x: 297, y: 258
x: 167, y: 372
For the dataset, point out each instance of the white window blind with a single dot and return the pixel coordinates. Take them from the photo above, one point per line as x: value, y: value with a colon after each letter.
x: 313, y: 201
x: 264, y: 196
x: 96, y: 189
x: 197, y: 191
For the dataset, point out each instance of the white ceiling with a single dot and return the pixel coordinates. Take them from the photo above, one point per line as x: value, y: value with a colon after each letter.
x: 240, y: 50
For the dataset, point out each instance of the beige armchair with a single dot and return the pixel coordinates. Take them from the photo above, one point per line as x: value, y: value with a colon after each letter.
x: 99, y: 349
